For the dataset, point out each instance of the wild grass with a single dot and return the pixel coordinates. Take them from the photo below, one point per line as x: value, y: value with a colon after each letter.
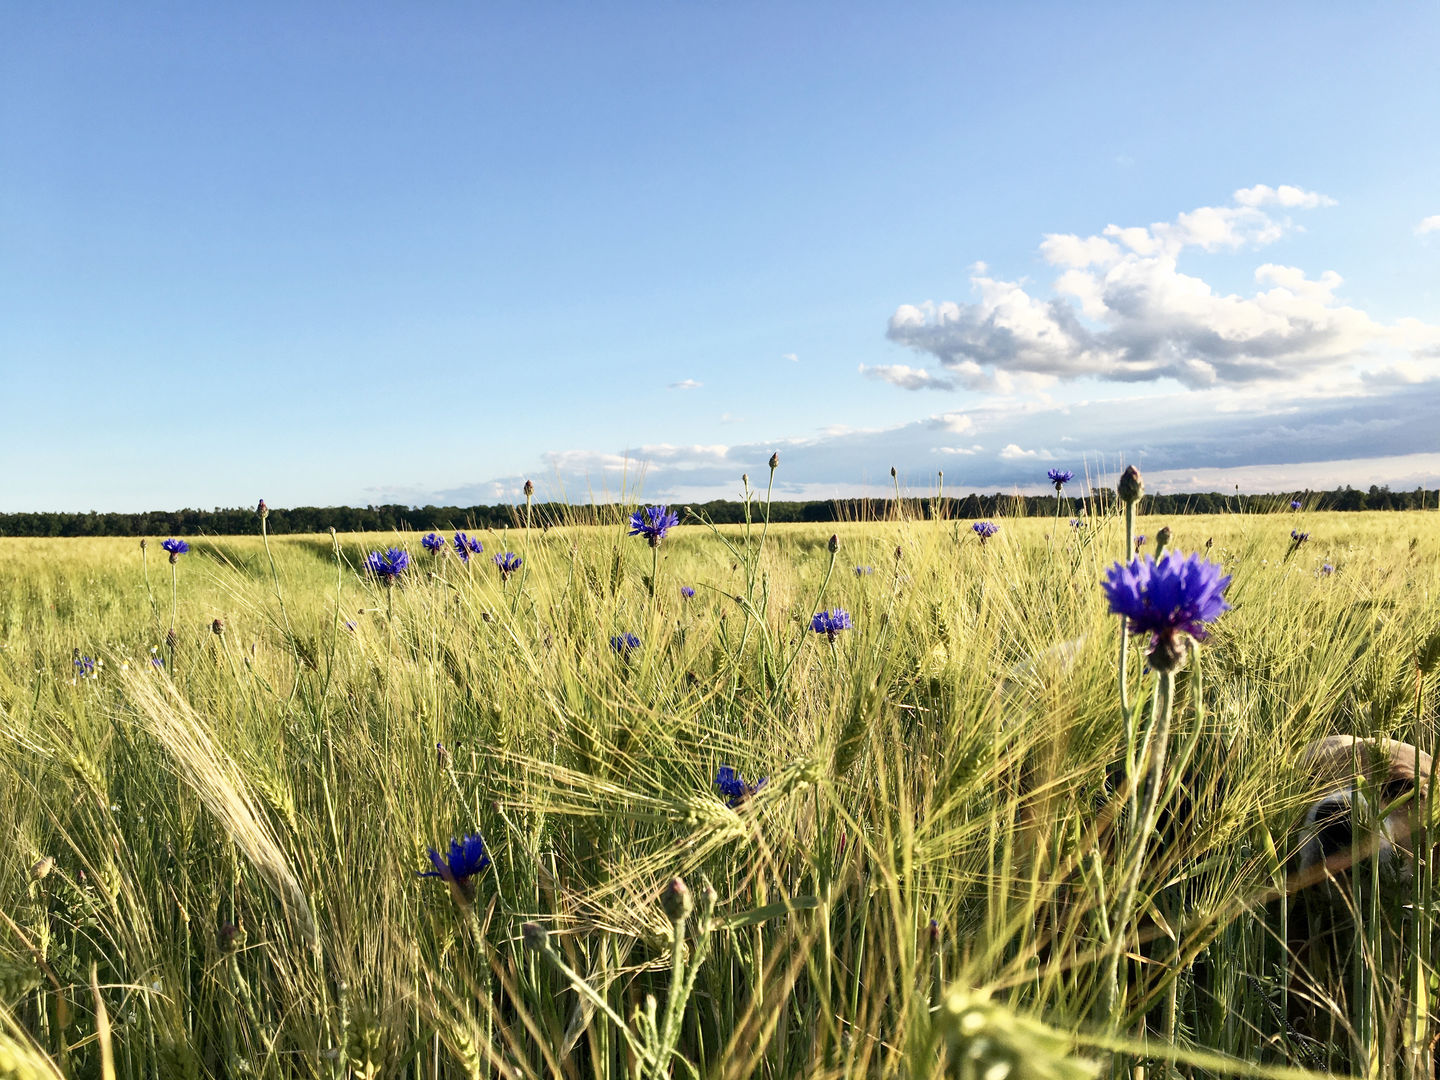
x: 921, y: 887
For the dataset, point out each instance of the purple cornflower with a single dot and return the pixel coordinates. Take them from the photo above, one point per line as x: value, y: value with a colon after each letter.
x: 466, y: 858
x: 1327, y: 570
x: 1076, y: 523
x: 508, y: 563
x: 1168, y: 600
x: 1299, y: 537
x: 467, y: 546
x: 862, y: 571
x: 176, y: 548
x: 830, y: 623
x: 387, y: 565
x: 985, y: 530
x: 733, y: 785
x: 1060, y: 477
x: 1294, y: 504
x: 432, y: 543
x: 653, y: 522
x: 687, y: 592
x: 625, y: 644
x: 84, y: 665
x: 1139, y: 543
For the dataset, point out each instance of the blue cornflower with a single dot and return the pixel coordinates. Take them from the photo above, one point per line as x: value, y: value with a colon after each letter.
x: 1169, y: 600
x: 388, y: 565
x: 625, y: 644
x: 687, y: 592
x: 1139, y: 542
x: 176, y: 548
x: 467, y: 857
x: 508, y: 563
x: 1076, y: 523
x: 84, y: 665
x: 467, y: 546
x: 985, y: 530
x: 1060, y: 477
x: 733, y: 785
x: 1299, y: 537
x: 1294, y: 504
x: 862, y: 571
x: 653, y: 522
x: 432, y: 543
x: 1327, y: 570
x: 157, y: 661
x: 830, y: 623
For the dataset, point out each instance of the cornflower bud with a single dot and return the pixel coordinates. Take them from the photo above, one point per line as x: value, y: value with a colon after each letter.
x: 217, y: 627
x: 774, y: 461
x: 529, y: 488
x: 677, y: 900
x: 1131, y: 487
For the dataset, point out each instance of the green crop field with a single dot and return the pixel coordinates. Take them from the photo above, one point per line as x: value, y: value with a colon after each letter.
x: 222, y: 777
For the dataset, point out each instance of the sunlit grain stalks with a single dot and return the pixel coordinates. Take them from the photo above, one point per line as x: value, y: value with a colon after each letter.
x: 214, y: 778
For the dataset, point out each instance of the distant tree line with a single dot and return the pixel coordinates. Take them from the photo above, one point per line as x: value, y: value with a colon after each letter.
x: 390, y: 518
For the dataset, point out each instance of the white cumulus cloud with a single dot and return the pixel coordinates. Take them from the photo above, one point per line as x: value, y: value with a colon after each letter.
x: 906, y: 377
x: 1428, y: 225
x: 686, y: 384
x: 1122, y: 309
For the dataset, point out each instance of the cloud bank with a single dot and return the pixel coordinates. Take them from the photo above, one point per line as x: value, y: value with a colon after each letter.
x: 1122, y: 310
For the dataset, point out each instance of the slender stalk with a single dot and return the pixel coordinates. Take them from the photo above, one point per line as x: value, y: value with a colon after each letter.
x: 1157, y: 739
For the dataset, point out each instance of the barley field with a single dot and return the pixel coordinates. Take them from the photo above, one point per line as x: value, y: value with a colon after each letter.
x: 939, y: 844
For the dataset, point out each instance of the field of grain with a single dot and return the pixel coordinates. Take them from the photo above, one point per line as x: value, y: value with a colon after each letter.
x: 222, y: 777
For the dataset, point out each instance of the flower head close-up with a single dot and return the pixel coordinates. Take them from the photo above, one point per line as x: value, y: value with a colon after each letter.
x: 653, y: 522
x: 176, y: 548
x: 466, y: 858
x: 830, y: 623
x: 1171, y: 600
x: 433, y: 543
x: 387, y: 565
x: 1060, y: 477
x: 625, y: 644
x: 984, y: 530
x: 733, y: 786
x: 508, y: 562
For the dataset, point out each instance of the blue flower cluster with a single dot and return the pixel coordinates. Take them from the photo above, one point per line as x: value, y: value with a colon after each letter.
x: 433, y: 543
x: 467, y: 857
x: 733, y: 786
x: 984, y: 530
x: 388, y: 565
x: 830, y: 623
x: 625, y: 644
x: 653, y: 522
x: 1170, y: 600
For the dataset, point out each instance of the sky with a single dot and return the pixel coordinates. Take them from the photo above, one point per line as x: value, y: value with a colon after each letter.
x: 373, y: 253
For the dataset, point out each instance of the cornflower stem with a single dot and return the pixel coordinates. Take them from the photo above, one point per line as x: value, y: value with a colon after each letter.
x: 174, y: 604
x: 145, y: 567
x: 1156, y: 744
x: 1124, y: 644
x: 654, y: 566
x: 769, y: 488
x: 814, y: 608
x: 280, y: 597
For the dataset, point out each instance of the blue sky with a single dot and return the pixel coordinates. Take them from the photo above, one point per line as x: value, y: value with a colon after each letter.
x: 367, y: 253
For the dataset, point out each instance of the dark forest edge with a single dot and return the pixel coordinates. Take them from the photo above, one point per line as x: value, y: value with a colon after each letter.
x: 388, y: 518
